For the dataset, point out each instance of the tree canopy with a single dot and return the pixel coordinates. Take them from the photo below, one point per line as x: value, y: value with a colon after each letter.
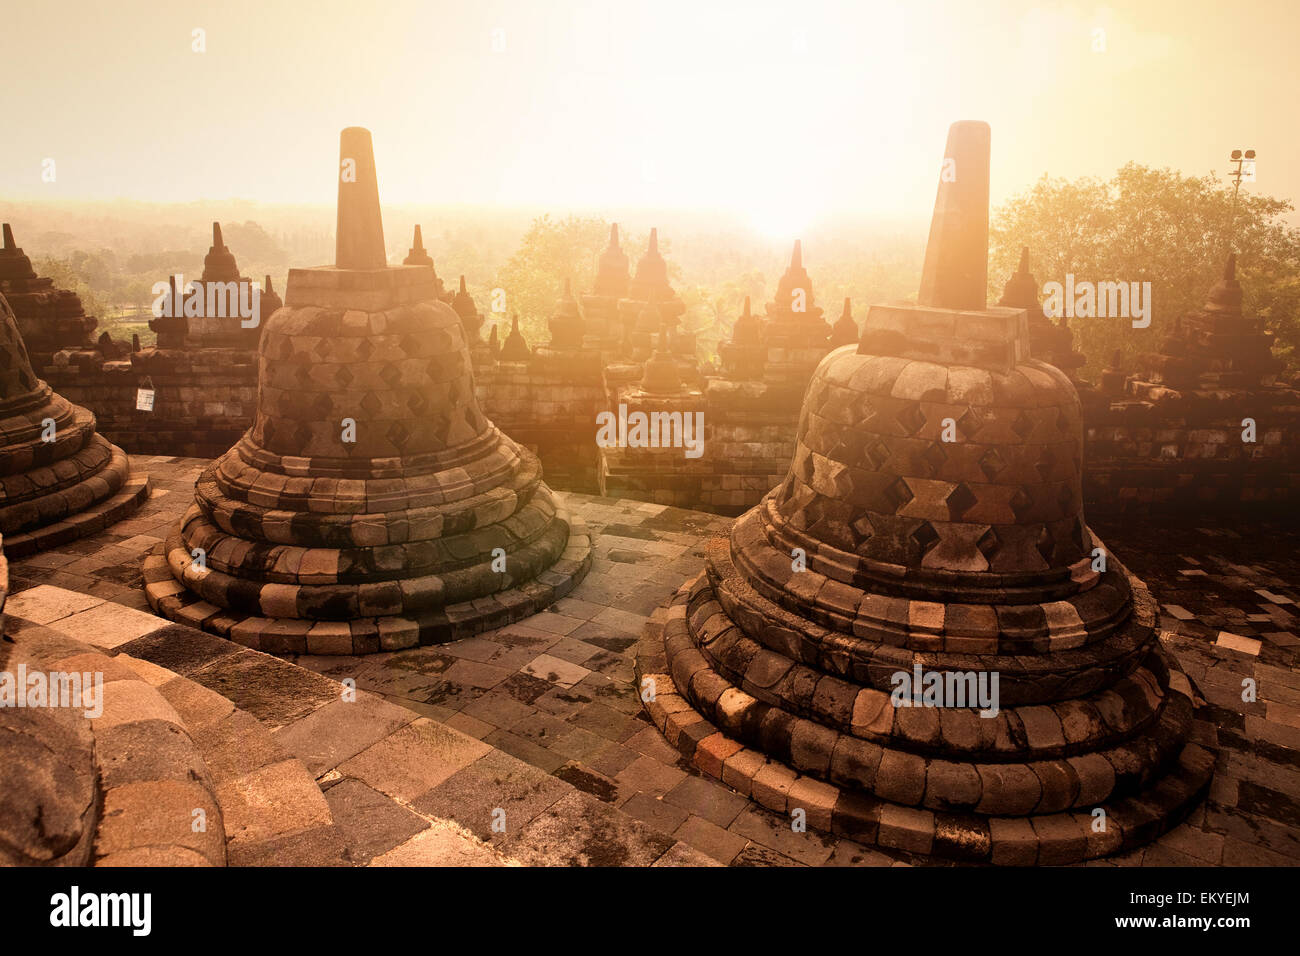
x: 1157, y: 226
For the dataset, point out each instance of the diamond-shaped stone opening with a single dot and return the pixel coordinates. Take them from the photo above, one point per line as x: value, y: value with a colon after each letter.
x: 911, y: 417
x: 863, y: 410
x: 322, y: 407
x: 390, y: 375
x: 1023, y: 425
x: 344, y: 376
x: 970, y: 422
x: 1046, y: 459
x: 959, y: 501
x: 898, y: 494
x: 925, y: 536
x: 1020, y: 503
x: 989, y: 544
x: 992, y: 462
x: 398, y: 434
x: 371, y: 404
x: 876, y: 454
x: 936, y: 457
x: 1046, y: 544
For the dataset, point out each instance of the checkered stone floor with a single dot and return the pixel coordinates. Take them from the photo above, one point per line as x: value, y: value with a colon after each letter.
x: 556, y: 693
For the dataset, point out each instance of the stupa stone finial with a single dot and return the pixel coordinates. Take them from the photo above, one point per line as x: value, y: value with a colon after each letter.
x: 270, y: 299
x: 219, y: 264
x: 612, y: 275
x: 359, y: 236
x: 514, y: 348
x: 845, y: 329
x: 567, y: 325
x: 955, y: 274
x: 417, y: 255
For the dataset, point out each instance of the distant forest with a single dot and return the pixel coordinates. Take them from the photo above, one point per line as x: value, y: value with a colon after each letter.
x: 1142, y: 225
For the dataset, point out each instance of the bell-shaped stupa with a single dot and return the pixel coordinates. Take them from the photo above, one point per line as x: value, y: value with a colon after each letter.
x: 845, y: 330
x: 1051, y: 343
x: 794, y: 320
x: 604, y: 329
x: 742, y: 357
x: 650, y: 302
x: 915, y: 638
x: 49, y: 319
x: 417, y: 255
x: 372, y: 505
x: 59, y: 479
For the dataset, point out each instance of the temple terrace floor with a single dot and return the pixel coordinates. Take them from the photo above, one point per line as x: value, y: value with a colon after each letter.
x: 541, y: 718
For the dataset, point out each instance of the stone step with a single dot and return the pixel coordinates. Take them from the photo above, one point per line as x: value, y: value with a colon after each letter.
x: 271, y: 807
x: 155, y: 798
x: 306, y: 771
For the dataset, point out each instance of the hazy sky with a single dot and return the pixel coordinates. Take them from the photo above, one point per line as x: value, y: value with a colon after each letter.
x: 787, y: 112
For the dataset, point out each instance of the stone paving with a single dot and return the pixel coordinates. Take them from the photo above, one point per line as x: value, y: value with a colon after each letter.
x: 547, y: 724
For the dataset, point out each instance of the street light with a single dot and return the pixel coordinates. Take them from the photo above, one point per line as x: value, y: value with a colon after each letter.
x: 1245, y: 172
x: 1245, y: 169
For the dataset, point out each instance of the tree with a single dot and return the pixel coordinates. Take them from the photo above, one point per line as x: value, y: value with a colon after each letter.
x: 67, y: 276
x: 549, y: 253
x: 1157, y: 226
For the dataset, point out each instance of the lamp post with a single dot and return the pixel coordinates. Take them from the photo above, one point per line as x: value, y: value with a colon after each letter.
x: 1245, y: 171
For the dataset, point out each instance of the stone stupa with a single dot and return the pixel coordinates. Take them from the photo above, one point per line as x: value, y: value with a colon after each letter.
x: 794, y: 320
x: 219, y: 285
x: 371, y: 506
x: 59, y: 479
x: 49, y: 319
x: 1050, y: 342
x: 890, y: 554
x: 613, y: 277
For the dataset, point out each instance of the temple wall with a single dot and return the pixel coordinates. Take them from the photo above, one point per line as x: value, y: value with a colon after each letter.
x: 1187, y: 454
x: 202, y: 405
x: 1173, y: 454
x: 549, y: 404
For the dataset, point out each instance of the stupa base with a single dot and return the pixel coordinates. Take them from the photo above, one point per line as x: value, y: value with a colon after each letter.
x: 127, y: 496
x: 1072, y: 835
x: 368, y: 635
